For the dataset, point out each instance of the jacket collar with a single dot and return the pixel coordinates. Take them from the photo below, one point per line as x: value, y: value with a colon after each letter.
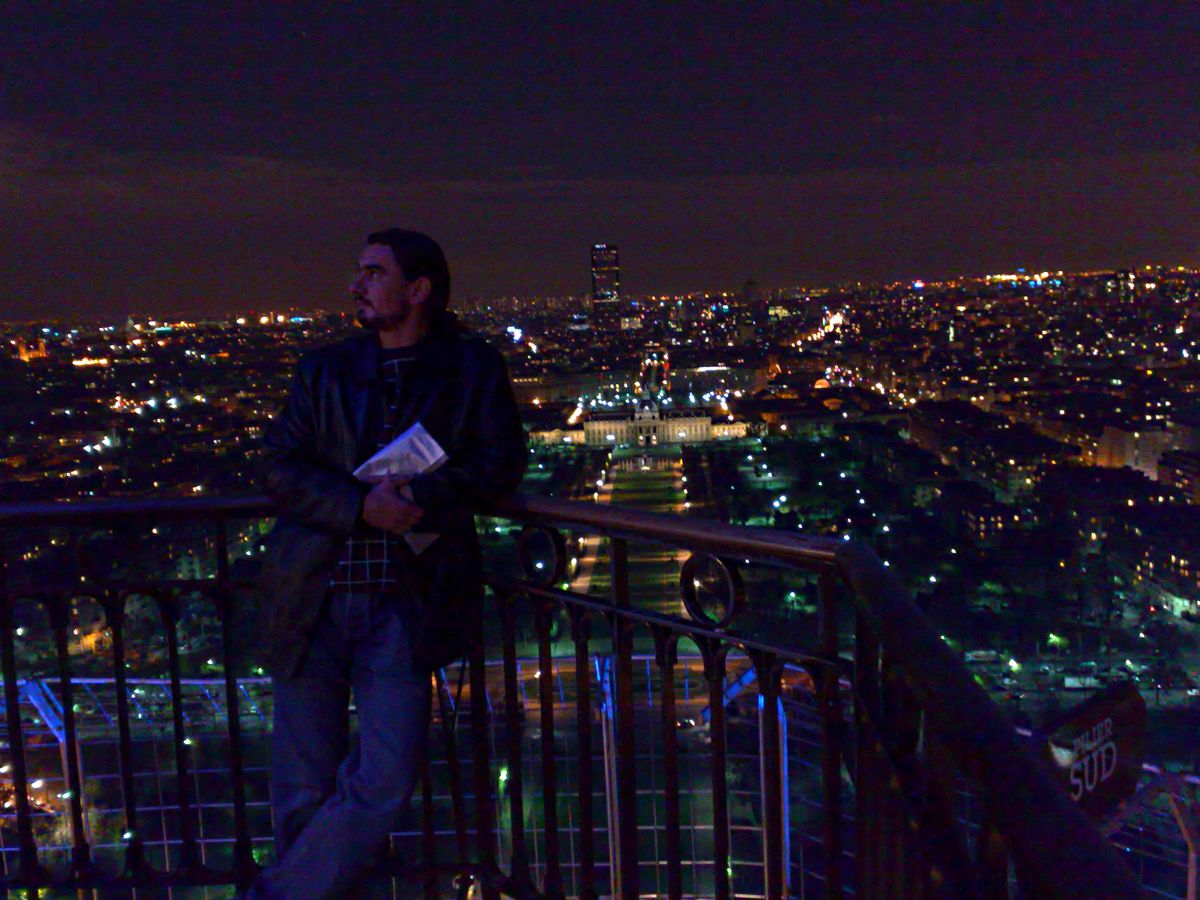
x: 364, y: 356
x: 433, y: 352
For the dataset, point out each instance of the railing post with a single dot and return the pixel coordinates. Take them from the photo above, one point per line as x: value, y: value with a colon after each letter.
x: 552, y: 885
x: 81, y: 856
x: 626, y: 764
x: 714, y: 653
x: 428, y: 841
x: 114, y: 611
x: 450, y: 740
x: 243, y: 856
x: 772, y: 756
x: 189, y: 860
x: 514, y: 730
x: 666, y: 655
x: 31, y: 871
x: 992, y: 856
x: 485, y: 836
x: 900, y: 731
x: 832, y: 732
x: 580, y: 632
x: 868, y: 763
x: 937, y: 823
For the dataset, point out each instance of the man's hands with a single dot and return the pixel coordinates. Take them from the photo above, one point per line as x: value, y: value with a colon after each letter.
x: 389, y: 506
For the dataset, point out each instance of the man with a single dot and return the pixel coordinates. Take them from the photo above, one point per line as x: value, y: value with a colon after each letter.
x: 347, y: 604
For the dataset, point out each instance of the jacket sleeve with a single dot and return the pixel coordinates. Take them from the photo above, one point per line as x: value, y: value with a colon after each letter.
x: 295, y: 477
x: 490, y: 460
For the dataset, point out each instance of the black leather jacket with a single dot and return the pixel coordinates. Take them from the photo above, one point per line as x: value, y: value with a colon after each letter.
x: 462, y: 396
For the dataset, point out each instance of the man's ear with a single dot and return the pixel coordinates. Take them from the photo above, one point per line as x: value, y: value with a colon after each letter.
x: 419, y: 290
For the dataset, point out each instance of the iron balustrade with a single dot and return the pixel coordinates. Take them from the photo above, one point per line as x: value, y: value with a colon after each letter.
x: 899, y: 713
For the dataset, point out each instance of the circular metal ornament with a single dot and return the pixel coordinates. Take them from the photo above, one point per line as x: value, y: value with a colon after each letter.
x: 542, y: 553
x: 708, y: 581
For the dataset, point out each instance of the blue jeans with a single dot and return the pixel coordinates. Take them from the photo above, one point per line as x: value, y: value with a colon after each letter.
x: 333, y: 804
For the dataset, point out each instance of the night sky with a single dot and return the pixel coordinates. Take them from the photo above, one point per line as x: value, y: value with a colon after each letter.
x: 204, y: 162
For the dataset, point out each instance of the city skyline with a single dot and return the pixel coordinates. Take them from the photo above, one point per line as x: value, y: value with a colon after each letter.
x: 203, y: 162
x: 342, y: 306
x: 1021, y: 454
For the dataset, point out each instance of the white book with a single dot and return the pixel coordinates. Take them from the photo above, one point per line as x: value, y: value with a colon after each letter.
x: 411, y: 453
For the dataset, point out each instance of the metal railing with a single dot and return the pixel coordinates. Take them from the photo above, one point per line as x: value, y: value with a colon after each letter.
x: 902, y: 729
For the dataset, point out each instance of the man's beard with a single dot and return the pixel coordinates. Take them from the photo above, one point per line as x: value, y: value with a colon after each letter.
x: 384, y: 323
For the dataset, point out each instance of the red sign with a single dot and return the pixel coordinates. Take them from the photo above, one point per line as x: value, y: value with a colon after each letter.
x: 1098, y: 747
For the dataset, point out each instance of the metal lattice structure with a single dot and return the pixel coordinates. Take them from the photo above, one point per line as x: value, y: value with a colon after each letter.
x: 648, y: 753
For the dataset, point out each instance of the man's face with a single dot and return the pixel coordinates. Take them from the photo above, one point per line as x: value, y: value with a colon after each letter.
x: 380, y: 292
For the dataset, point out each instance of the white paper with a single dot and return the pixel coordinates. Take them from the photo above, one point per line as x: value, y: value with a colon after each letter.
x: 412, y: 453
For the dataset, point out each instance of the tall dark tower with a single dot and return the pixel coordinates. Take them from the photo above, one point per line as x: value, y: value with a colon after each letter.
x: 753, y: 318
x: 606, y: 288
x: 753, y: 307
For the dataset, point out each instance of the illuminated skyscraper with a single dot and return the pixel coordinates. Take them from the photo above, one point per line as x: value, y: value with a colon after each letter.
x: 606, y: 288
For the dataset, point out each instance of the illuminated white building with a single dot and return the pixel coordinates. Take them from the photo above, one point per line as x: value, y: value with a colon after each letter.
x: 649, y: 426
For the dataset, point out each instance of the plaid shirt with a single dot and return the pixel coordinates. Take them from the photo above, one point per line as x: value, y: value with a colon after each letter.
x: 368, y: 559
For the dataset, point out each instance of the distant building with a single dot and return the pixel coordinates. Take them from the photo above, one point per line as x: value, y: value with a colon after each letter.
x: 27, y: 351
x: 754, y: 315
x: 606, y: 288
x: 1007, y: 457
x: 1134, y: 448
x: 558, y: 436
x: 967, y: 509
x: 649, y: 426
x: 1158, y: 552
x: 1181, y: 469
x: 1089, y: 502
x: 558, y: 387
